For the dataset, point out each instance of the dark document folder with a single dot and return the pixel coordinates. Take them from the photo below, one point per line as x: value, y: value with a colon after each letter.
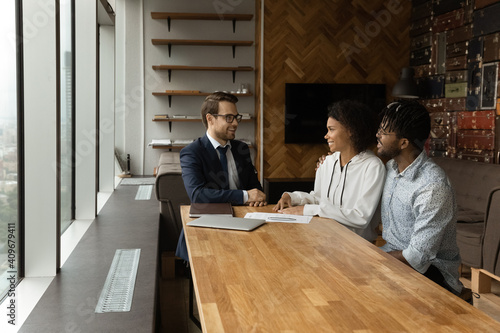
x: 201, y: 209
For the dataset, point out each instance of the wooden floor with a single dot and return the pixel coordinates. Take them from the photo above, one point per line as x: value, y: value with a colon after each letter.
x: 174, y: 296
x: 174, y: 303
x: 488, y: 303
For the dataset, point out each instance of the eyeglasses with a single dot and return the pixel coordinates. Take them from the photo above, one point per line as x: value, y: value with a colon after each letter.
x: 229, y: 117
x: 381, y: 132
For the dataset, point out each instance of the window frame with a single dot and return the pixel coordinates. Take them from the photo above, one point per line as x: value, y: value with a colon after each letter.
x: 20, y: 138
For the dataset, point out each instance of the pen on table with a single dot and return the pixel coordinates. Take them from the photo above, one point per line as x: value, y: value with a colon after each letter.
x: 277, y: 218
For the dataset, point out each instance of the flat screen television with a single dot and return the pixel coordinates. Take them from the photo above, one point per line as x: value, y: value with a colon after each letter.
x: 306, y: 106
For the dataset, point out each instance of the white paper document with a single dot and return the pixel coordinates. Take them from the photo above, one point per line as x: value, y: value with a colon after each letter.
x: 276, y: 217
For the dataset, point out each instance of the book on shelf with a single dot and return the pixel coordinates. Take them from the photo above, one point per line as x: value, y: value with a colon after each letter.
x: 179, y: 116
x: 193, y: 117
x: 202, y: 209
x: 161, y: 116
x: 183, y: 91
x: 160, y: 142
x: 181, y: 142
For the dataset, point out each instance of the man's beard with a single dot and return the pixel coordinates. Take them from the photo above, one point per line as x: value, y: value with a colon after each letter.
x: 389, y: 152
x: 225, y: 135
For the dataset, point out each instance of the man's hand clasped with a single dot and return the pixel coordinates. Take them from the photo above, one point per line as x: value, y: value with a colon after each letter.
x: 321, y: 159
x: 256, y: 198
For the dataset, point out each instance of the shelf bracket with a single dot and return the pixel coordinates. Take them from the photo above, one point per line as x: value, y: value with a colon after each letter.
x: 168, y: 23
x: 170, y: 127
x: 234, y: 76
x: 169, y: 75
x: 234, y: 26
x: 234, y: 51
x: 170, y: 49
x: 169, y: 100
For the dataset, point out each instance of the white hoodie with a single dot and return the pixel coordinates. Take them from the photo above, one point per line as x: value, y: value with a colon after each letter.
x: 349, y: 195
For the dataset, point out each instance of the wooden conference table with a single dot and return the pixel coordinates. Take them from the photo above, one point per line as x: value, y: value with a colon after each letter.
x: 316, y: 277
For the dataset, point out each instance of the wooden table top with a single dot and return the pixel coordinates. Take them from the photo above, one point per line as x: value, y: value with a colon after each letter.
x: 316, y: 277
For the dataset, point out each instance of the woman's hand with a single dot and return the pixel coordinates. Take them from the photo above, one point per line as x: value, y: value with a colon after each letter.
x: 285, y: 201
x: 296, y: 210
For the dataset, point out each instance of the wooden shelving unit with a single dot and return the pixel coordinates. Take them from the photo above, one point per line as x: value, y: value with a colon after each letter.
x: 193, y: 120
x: 169, y: 16
x: 173, y: 120
x: 199, y: 93
x: 177, y: 147
x: 201, y: 16
x: 171, y: 68
x: 194, y: 94
x: 179, y: 93
x: 168, y: 147
x: 201, y: 42
x: 188, y: 120
x: 202, y: 68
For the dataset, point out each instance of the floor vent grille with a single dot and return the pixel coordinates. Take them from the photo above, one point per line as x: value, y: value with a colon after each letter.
x: 144, y: 192
x: 118, y: 290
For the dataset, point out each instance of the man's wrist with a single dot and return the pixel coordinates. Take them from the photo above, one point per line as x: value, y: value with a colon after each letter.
x: 399, y: 255
x: 245, y: 196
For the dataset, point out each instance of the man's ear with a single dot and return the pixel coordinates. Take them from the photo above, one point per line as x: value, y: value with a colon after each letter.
x: 404, y: 143
x: 209, y: 118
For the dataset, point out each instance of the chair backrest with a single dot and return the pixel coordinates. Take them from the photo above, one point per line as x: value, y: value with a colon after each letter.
x: 170, y: 191
x: 472, y: 181
x: 491, y: 240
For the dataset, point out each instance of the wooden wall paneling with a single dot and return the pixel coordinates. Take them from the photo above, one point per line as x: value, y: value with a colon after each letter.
x: 325, y: 42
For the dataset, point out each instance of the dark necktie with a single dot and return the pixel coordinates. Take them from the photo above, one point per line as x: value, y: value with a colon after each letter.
x: 223, y: 162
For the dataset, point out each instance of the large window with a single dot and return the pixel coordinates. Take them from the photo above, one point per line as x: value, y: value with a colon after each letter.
x: 9, y: 218
x: 66, y: 84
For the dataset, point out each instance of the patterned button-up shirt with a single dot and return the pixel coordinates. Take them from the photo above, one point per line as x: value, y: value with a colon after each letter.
x: 418, y: 217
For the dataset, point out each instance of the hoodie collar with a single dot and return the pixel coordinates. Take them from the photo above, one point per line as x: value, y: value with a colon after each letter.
x: 359, y: 157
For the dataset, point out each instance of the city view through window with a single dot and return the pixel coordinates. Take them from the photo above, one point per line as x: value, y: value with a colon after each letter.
x: 66, y: 70
x: 8, y: 147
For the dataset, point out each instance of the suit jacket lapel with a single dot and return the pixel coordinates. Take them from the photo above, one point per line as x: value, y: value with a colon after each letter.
x: 211, y: 154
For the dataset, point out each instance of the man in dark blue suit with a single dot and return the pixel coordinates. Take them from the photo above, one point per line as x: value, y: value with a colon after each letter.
x: 217, y: 168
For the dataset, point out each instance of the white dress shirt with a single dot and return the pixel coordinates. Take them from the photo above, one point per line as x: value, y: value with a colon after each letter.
x: 418, y: 215
x: 234, y: 181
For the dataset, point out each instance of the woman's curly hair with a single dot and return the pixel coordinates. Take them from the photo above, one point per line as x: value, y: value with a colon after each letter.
x: 358, y: 119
